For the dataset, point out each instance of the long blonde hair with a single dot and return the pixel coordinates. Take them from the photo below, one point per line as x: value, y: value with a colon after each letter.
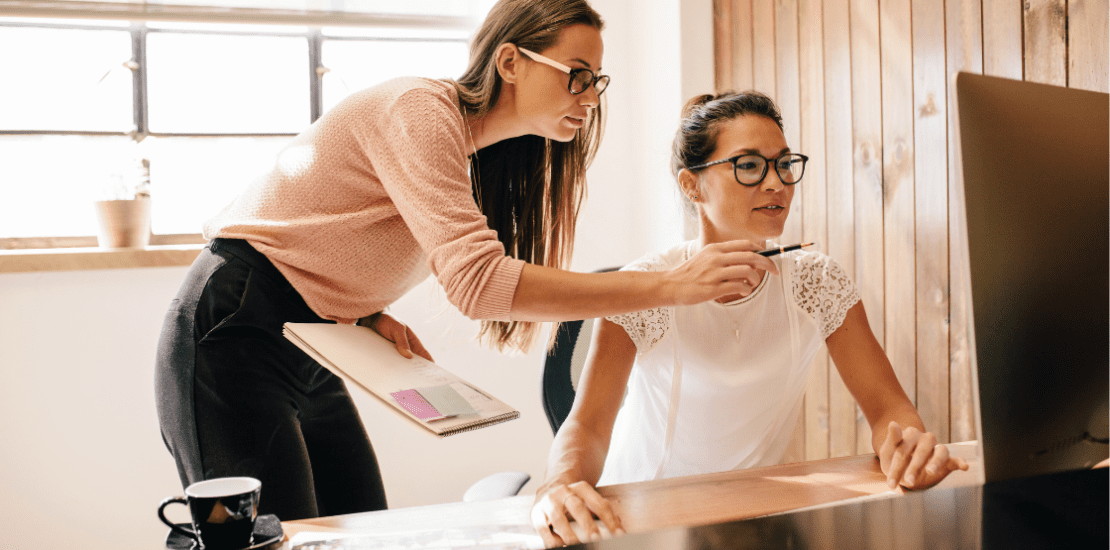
x: 530, y: 188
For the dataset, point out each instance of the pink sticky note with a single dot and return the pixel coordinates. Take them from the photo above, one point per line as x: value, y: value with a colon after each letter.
x: 415, y: 404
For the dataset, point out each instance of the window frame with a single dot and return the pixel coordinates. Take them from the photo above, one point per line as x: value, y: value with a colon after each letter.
x: 139, y: 30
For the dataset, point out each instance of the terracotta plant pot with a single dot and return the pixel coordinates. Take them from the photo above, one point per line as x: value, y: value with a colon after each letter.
x: 123, y: 224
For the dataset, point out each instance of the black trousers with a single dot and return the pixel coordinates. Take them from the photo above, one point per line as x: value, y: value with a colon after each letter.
x: 235, y: 398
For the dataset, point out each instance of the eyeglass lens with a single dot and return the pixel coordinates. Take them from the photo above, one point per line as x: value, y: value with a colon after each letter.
x: 582, y: 78
x: 750, y: 169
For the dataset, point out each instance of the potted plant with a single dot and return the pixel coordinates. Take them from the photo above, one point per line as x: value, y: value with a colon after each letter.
x: 123, y: 216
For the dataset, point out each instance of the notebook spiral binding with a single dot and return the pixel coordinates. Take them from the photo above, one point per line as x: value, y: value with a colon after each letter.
x: 486, y: 422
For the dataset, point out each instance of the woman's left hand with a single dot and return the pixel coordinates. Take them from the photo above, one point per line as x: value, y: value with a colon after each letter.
x: 395, y: 331
x: 913, y: 458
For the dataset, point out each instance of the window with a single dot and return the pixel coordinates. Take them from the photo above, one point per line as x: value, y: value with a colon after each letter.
x: 355, y: 63
x: 208, y: 83
x: 201, y: 109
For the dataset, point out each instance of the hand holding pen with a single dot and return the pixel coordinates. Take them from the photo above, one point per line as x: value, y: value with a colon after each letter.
x: 725, y: 272
x: 767, y: 254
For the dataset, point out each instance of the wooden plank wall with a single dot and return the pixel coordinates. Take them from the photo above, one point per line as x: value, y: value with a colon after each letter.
x: 865, y: 91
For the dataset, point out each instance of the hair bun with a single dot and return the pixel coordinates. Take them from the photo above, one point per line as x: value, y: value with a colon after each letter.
x: 696, y: 101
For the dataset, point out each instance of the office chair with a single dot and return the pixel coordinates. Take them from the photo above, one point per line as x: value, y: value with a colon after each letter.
x: 561, y: 370
x: 563, y: 367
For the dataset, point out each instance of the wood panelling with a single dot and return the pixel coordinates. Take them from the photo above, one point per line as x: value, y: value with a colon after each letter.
x: 763, y: 46
x: 1088, y: 43
x: 865, y: 87
x: 964, y: 40
x: 722, y: 29
x: 742, y: 45
x: 867, y: 172
x: 898, y: 235
x: 811, y: 85
x: 840, y: 196
x: 1045, y: 24
x: 1002, y: 43
x: 930, y: 138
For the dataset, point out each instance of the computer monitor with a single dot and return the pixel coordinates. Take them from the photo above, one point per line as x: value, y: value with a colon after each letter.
x: 1035, y: 162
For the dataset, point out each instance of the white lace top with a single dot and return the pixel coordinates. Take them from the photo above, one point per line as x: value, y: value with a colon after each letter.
x: 718, y: 386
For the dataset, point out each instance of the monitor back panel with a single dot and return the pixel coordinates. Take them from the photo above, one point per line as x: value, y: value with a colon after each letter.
x: 1036, y: 160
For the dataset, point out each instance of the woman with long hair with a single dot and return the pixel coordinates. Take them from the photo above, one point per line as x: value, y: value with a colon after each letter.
x: 476, y: 181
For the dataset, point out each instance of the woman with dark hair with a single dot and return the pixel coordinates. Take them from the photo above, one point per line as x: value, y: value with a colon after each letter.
x: 717, y: 386
x: 476, y: 181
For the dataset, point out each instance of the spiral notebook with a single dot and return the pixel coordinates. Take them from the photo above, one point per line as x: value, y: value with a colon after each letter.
x: 416, y: 388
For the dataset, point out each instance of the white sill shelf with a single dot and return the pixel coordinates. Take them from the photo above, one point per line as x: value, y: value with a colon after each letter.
x: 72, y: 259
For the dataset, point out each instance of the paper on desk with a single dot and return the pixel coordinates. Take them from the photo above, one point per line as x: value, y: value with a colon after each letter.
x: 500, y: 537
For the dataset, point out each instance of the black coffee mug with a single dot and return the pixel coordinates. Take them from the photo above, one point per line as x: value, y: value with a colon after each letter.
x: 223, y: 511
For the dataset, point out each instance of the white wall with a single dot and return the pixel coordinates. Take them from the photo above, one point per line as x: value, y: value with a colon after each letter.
x: 80, y: 451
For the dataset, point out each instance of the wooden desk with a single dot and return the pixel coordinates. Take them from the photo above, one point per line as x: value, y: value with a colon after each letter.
x: 647, y: 506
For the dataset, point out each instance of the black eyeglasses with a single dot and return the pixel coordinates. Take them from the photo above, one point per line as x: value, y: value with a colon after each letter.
x: 580, y: 79
x: 750, y: 168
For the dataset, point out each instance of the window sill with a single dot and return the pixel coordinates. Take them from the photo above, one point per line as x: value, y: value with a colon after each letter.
x: 72, y: 259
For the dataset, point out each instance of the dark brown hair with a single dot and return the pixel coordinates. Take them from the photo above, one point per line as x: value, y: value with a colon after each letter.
x: 530, y: 188
x: 696, y: 138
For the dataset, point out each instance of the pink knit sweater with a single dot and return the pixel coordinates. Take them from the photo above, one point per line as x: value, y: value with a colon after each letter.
x: 361, y: 205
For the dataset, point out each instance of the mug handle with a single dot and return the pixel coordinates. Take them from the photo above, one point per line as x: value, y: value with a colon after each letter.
x: 173, y: 526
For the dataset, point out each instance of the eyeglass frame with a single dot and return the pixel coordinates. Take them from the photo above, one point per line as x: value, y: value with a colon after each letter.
x: 766, y: 164
x: 570, y: 71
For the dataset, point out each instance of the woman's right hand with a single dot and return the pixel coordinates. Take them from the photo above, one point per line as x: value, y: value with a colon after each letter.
x: 721, y: 269
x: 557, y: 503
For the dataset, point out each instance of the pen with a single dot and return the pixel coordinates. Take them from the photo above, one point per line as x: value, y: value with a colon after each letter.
x: 776, y: 251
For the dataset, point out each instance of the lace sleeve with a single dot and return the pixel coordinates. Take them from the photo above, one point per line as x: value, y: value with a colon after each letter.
x: 645, y: 328
x: 823, y: 289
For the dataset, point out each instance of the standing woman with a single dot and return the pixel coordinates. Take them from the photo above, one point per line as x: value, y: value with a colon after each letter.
x: 476, y: 181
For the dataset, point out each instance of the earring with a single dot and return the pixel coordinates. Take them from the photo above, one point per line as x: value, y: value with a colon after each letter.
x: 693, y: 197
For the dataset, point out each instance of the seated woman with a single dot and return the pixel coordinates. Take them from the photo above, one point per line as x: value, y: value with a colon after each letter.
x: 717, y: 386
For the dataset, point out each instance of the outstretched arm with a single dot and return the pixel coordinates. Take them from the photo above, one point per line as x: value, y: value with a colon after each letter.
x: 579, y: 450
x: 908, y: 454
x: 722, y: 269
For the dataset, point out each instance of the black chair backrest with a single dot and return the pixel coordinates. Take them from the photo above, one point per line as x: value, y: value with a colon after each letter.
x: 563, y: 366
